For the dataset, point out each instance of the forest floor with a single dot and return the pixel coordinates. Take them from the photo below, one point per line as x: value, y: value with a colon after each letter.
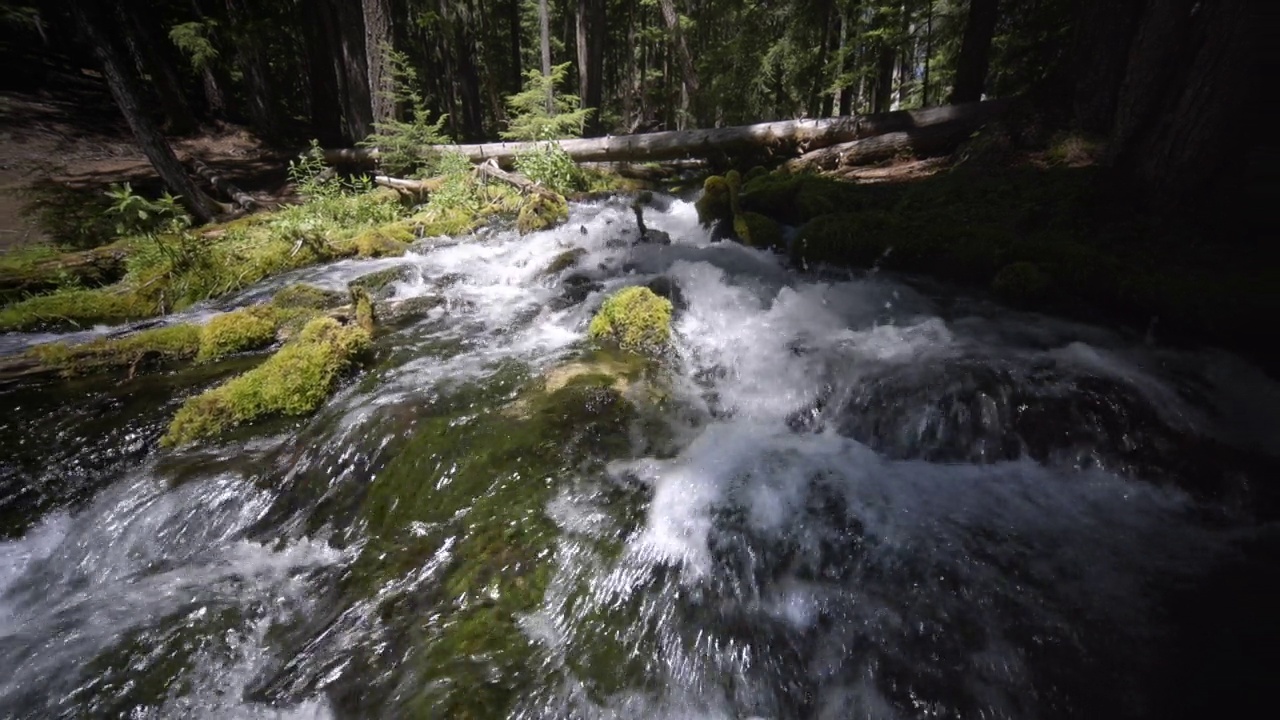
x: 55, y: 153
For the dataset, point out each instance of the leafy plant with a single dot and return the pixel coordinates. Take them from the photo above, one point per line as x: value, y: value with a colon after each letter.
x: 192, y: 38
x: 136, y: 214
x: 551, y: 166
x: 404, y: 145
x: 539, y: 113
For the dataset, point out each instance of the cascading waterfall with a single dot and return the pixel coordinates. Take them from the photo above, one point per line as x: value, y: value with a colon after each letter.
x: 856, y: 496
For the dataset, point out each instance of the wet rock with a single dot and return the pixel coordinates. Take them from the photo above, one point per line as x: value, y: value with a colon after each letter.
x: 664, y: 286
x: 378, y: 284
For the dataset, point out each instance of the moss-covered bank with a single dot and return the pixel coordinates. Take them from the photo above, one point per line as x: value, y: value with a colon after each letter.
x: 1056, y: 239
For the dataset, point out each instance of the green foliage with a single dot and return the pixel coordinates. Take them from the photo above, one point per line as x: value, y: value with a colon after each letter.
x: 538, y: 112
x: 635, y: 320
x: 192, y: 38
x: 549, y: 165
x: 293, y: 382
x: 404, y: 145
x: 136, y: 215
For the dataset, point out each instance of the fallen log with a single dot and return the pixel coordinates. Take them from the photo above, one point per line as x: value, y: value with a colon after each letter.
x: 404, y: 184
x: 90, y: 268
x: 490, y: 169
x: 224, y: 186
x: 784, y: 138
x: 925, y: 141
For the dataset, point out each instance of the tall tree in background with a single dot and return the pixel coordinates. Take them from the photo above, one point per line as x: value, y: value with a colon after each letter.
x: 148, y: 55
x: 591, y: 31
x: 260, y: 92
x: 975, y: 51
x: 95, y: 24
x: 378, y: 44
x: 688, y: 75
x: 544, y: 36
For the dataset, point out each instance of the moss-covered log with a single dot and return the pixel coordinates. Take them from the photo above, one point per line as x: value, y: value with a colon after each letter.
x: 31, y: 272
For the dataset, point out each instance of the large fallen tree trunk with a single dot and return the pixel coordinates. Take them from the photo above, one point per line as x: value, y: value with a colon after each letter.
x: 781, y: 139
x: 924, y: 141
x: 89, y: 268
x: 223, y: 185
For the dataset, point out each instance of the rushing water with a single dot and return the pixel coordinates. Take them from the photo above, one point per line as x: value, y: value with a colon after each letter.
x: 861, y: 497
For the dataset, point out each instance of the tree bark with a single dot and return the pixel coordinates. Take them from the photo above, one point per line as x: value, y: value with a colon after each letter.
x: 95, y: 27
x: 1182, y: 117
x: 784, y: 138
x: 689, y: 76
x: 1100, y: 55
x: 975, y: 51
x: 883, y: 98
x: 591, y: 30
x: 544, y: 36
x: 517, y: 72
x: 378, y: 43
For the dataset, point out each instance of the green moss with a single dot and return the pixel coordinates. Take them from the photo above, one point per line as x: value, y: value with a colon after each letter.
x: 294, y: 381
x: 541, y: 211
x: 364, y: 312
x: 390, y: 240
x: 76, y: 308
x: 308, y: 297
x: 635, y: 320
x: 449, y: 221
x: 757, y: 230
x: 564, y: 261
x: 170, y: 343
x: 379, y: 281
x: 714, y: 205
x: 238, y: 331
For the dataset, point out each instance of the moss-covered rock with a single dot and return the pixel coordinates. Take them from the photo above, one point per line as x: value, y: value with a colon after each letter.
x: 307, y: 297
x: 378, y: 283
x: 715, y: 204
x: 851, y: 239
x: 390, y: 240
x: 171, y: 343
x: 541, y: 211
x: 364, y: 310
x: 76, y: 308
x: 635, y: 320
x: 294, y: 381
x: 238, y: 331
x: 756, y: 230
x: 563, y: 261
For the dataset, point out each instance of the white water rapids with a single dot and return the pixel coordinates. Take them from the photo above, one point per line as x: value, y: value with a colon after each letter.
x: 880, y: 499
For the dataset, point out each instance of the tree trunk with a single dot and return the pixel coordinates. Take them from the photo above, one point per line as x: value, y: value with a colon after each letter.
x: 324, y: 76
x: 95, y: 27
x: 259, y: 90
x: 689, y: 75
x: 785, y: 138
x: 544, y: 36
x: 1100, y: 55
x: 591, y: 35
x: 517, y: 71
x: 928, y: 54
x: 883, y: 97
x: 378, y: 44
x: 975, y: 51
x: 1182, y: 117
x: 153, y: 66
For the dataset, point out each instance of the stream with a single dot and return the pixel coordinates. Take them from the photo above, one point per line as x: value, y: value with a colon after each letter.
x: 857, y: 496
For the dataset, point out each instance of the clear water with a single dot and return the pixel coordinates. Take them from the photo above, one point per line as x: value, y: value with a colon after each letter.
x: 866, y: 497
